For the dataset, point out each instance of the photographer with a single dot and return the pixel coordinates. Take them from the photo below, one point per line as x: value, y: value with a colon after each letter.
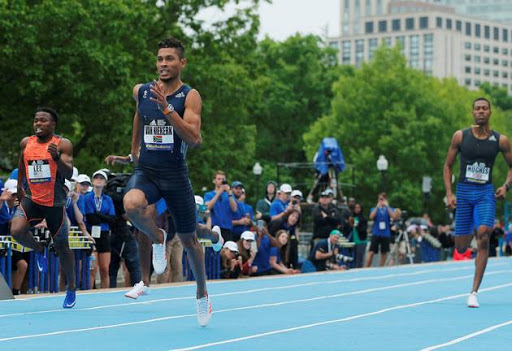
x: 326, y: 217
x: 123, y: 244
x: 282, y: 205
x: 222, y: 205
x: 244, y: 215
x: 231, y: 261
x: 325, y: 255
x: 381, y: 214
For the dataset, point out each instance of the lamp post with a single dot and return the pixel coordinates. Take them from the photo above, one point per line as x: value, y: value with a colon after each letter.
x: 382, y: 166
x: 257, y: 170
x: 426, y: 188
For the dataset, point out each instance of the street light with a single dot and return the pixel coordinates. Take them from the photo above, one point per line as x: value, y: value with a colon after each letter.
x: 382, y: 166
x: 257, y: 170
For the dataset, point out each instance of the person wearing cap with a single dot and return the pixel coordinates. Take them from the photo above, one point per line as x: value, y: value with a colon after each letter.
x: 326, y: 217
x: 100, y: 214
x: 83, y: 184
x: 323, y: 255
x: 19, y: 260
x: 248, y: 249
x: 46, y: 159
x: 282, y: 205
x: 75, y: 209
x: 244, y: 216
x: 263, y: 205
x: 222, y: 205
x: 231, y: 261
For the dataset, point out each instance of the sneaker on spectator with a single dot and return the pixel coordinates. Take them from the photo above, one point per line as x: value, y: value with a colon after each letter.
x: 472, y: 300
x: 42, y: 262
x: 159, y: 256
x: 70, y: 300
x: 218, y: 245
x: 204, y: 310
x: 137, y: 290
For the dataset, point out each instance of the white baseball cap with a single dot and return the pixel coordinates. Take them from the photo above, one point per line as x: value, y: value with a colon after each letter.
x: 247, y: 235
x: 75, y: 174
x: 101, y: 173
x: 67, y: 184
x: 285, y: 188
x: 231, y: 245
x: 297, y: 193
x: 199, y: 200
x: 11, y: 185
x: 83, y: 178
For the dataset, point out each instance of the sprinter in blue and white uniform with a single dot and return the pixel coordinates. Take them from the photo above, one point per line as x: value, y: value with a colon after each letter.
x: 476, y: 199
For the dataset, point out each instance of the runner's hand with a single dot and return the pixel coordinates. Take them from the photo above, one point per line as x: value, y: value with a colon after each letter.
x: 156, y: 89
x: 451, y: 201
x: 113, y: 159
x: 501, y: 193
x: 53, y: 151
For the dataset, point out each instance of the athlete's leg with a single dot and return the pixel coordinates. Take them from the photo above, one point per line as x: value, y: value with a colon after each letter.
x: 195, y: 258
x: 203, y: 232
x: 142, y: 214
x: 485, y: 211
x: 58, y: 226
x: 20, y: 226
x: 482, y: 255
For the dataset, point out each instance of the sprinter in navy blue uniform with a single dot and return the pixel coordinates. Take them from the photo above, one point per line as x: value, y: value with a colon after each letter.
x: 167, y: 121
x: 476, y: 200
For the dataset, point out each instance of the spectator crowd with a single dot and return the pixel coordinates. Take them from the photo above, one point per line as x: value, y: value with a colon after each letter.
x: 259, y: 241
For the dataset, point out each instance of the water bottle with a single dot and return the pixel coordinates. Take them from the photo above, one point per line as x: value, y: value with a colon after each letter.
x: 92, y: 261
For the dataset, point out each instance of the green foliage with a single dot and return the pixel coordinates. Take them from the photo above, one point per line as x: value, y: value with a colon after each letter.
x: 387, y: 108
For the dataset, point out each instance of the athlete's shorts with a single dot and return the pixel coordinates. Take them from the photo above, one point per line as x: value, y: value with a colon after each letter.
x: 476, y: 206
x: 382, y: 241
x: 56, y: 220
x: 174, y: 187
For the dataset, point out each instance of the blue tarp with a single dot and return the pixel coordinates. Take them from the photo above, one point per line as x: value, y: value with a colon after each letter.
x: 329, y: 153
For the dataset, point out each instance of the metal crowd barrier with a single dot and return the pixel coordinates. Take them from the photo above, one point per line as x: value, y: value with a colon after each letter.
x: 48, y: 282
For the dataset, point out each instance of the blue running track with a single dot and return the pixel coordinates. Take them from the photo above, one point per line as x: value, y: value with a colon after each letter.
x: 411, y: 307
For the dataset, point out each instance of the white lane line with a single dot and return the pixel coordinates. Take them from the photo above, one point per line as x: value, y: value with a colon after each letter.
x: 333, y: 321
x: 131, y: 303
x: 283, y: 277
x: 69, y: 331
x: 468, y: 336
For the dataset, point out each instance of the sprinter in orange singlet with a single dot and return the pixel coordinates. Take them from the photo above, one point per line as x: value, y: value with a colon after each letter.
x: 45, y: 161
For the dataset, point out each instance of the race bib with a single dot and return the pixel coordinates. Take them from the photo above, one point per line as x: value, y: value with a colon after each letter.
x: 477, y: 173
x: 96, y: 231
x: 382, y: 225
x: 39, y: 171
x: 158, y: 136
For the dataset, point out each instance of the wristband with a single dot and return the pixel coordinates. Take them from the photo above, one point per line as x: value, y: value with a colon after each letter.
x: 168, y: 109
x: 131, y: 158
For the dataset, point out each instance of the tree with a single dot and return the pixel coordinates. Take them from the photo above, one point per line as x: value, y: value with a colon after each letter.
x: 390, y: 109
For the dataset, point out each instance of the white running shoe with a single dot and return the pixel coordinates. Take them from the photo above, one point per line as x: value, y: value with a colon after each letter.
x: 136, y: 291
x: 204, y: 310
x: 218, y: 245
x: 159, y: 256
x: 472, y: 300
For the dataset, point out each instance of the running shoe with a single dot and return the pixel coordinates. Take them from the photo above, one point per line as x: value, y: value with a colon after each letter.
x: 70, y: 300
x: 42, y: 262
x: 461, y: 256
x: 204, y: 310
x: 159, y: 256
x: 138, y: 289
x: 218, y: 245
x: 473, y: 300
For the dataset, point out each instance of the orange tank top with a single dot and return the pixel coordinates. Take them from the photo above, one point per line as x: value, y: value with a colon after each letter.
x: 45, y: 186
